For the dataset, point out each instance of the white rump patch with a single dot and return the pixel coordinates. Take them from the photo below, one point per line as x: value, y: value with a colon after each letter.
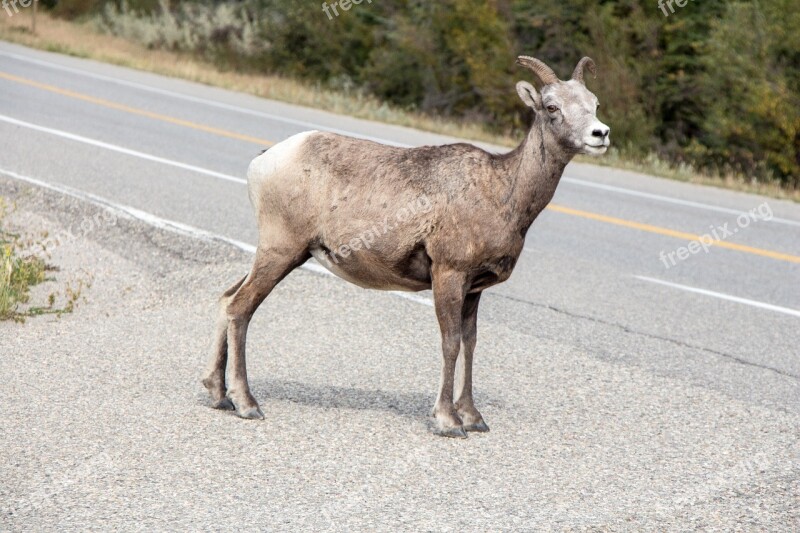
x: 285, y: 152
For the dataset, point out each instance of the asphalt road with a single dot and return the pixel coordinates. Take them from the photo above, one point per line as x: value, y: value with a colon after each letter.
x: 705, y: 350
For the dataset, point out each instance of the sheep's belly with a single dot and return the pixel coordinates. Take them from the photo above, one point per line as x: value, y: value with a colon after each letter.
x: 367, y: 270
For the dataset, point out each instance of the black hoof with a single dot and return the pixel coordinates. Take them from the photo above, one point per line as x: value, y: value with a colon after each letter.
x: 480, y: 427
x: 224, y: 404
x: 453, y: 433
x: 252, y: 413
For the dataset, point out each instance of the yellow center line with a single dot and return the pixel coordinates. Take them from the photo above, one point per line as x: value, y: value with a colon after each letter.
x: 672, y: 233
x: 264, y: 142
x: 136, y: 111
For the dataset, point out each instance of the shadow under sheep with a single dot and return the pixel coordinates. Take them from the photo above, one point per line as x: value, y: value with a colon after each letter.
x: 414, y: 405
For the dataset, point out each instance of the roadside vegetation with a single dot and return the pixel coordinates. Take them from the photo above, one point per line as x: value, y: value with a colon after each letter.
x: 21, y: 270
x: 709, y: 93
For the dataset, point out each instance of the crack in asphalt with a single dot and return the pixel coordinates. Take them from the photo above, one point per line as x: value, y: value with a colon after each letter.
x: 626, y: 329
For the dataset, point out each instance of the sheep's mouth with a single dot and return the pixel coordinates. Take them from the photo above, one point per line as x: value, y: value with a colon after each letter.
x: 595, y: 149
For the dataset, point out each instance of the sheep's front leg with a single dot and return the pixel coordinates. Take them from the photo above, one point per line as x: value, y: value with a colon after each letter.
x: 449, y: 289
x: 465, y: 405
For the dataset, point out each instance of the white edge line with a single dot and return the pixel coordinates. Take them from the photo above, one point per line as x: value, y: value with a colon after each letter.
x: 120, y: 149
x: 311, y: 125
x: 668, y: 199
x: 127, y: 212
x: 704, y: 292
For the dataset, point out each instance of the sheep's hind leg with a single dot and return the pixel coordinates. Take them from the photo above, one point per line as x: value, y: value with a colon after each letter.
x: 215, y: 376
x: 271, y: 265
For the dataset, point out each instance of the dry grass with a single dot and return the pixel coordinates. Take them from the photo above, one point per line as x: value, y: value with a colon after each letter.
x: 84, y: 40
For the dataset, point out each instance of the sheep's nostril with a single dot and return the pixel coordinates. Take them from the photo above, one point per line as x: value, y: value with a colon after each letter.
x: 600, y: 133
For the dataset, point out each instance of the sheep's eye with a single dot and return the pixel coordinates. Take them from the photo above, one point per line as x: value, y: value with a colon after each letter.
x: 552, y: 109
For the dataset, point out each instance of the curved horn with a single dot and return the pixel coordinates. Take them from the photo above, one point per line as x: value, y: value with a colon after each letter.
x: 544, y: 72
x: 584, y: 63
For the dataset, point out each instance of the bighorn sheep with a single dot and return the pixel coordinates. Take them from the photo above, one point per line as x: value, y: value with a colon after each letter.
x: 316, y: 192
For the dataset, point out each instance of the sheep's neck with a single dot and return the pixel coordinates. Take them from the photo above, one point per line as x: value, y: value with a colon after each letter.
x: 531, y: 174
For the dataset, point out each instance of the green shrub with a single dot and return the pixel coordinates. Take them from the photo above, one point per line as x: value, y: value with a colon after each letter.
x: 20, y: 271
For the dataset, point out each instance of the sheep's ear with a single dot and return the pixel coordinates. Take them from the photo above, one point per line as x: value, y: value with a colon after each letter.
x: 529, y: 95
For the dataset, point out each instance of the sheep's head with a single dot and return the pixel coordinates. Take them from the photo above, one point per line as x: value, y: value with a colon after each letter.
x: 568, y: 108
